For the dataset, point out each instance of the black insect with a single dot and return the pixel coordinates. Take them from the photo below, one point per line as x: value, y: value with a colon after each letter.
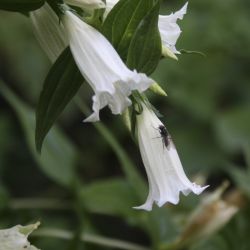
x: 165, y: 136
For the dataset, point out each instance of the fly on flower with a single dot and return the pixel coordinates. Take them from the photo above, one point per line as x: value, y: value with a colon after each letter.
x: 166, y: 137
x: 165, y: 173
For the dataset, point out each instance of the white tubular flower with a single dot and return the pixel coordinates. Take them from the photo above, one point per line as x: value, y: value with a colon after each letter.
x: 170, y: 30
x: 88, y: 5
x: 166, y: 176
x: 102, y: 67
x: 48, y: 31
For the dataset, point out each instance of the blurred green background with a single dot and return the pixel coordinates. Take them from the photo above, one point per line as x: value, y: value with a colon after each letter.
x: 85, y: 180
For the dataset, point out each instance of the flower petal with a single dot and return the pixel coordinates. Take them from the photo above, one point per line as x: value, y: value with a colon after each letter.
x: 169, y: 29
x: 15, y: 238
x: 102, y: 67
x: 164, y: 170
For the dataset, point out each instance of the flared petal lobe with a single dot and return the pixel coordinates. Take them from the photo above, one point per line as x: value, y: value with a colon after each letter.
x: 170, y: 30
x: 48, y: 31
x: 165, y: 174
x: 101, y: 66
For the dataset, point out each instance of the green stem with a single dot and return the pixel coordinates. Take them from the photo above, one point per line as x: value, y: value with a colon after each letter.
x: 80, y: 212
x: 33, y: 203
x: 90, y: 238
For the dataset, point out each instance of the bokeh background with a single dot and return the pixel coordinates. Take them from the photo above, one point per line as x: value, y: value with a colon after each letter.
x: 83, y: 181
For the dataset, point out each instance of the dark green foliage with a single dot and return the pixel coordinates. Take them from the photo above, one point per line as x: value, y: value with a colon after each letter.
x: 20, y: 5
x: 59, y: 154
x: 122, y: 22
x: 61, y: 84
x: 145, y: 48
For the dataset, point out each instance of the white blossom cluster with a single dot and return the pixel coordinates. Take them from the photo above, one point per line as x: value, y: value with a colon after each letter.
x: 113, y: 82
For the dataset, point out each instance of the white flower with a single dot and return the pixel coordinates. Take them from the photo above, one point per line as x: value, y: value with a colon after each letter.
x: 15, y: 238
x: 48, y: 31
x: 102, y: 67
x: 166, y: 176
x: 88, y: 5
x: 168, y: 27
x: 170, y: 30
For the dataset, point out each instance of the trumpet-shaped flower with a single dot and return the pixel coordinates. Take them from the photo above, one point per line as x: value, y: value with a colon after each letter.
x: 88, y: 5
x: 102, y: 67
x: 48, y: 31
x: 165, y: 174
x: 168, y: 27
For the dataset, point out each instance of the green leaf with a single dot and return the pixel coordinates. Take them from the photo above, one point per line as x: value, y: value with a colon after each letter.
x: 4, y: 197
x: 247, y: 154
x: 59, y: 156
x: 111, y: 197
x: 232, y: 127
x: 161, y: 227
x: 145, y: 48
x: 20, y: 5
x: 122, y: 22
x: 61, y: 85
x: 242, y: 179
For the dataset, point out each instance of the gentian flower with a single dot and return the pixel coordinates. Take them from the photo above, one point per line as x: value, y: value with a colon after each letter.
x: 165, y: 174
x: 102, y: 67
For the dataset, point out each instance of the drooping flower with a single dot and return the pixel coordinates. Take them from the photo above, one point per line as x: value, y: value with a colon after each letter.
x: 165, y: 174
x: 48, y: 31
x: 88, y: 5
x: 102, y: 67
x: 168, y: 27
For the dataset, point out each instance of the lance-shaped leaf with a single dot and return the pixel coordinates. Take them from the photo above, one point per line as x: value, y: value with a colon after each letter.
x: 122, y: 22
x: 112, y: 197
x: 59, y: 155
x: 20, y: 5
x: 61, y: 84
x: 145, y: 48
